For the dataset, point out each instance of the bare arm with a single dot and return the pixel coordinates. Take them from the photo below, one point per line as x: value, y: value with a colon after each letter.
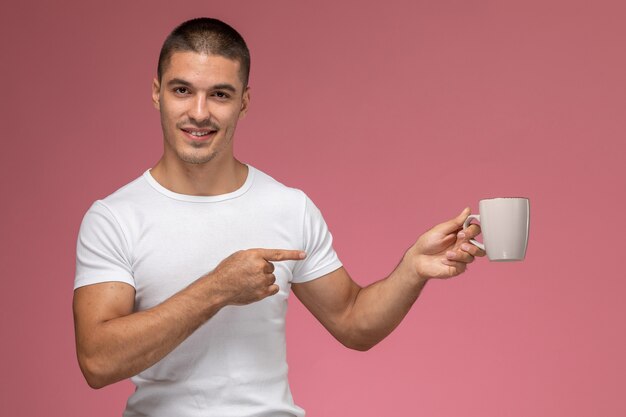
x: 361, y: 317
x: 113, y: 343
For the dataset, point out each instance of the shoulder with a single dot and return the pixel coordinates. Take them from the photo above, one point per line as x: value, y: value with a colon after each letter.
x: 272, y: 187
x: 127, y: 199
x: 136, y: 195
x: 134, y: 190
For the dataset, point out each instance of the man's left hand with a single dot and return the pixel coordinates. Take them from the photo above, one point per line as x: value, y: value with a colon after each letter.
x: 444, y: 251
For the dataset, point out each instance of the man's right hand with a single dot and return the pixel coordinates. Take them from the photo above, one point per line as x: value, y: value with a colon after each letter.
x: 114, y: 343
x: 248, y: 276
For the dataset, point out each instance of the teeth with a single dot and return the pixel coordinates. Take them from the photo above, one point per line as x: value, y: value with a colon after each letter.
x: 199, y: 133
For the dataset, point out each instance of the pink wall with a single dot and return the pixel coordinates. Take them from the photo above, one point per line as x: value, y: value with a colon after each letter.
x: 392, y: 116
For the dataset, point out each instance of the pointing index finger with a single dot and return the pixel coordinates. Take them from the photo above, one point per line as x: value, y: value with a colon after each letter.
x: 277, y: 255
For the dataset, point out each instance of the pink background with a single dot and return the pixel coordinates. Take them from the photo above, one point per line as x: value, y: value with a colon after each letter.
x: 392, y: 116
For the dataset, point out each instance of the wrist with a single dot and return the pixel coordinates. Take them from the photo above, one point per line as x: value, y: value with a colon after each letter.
x: 409, y: 268
x: 207, y: 295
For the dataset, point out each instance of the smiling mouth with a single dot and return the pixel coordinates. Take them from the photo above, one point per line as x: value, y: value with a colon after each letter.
x: 197, y: 134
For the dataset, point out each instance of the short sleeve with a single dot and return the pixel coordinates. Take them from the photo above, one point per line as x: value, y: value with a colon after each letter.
x: 318, y: 244
x: 102, y: 253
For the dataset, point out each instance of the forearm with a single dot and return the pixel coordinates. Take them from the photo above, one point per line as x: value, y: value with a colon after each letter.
x: 361, y: 317
x: 113, y: 343
x: 124, y: 346
x: 380, y: 307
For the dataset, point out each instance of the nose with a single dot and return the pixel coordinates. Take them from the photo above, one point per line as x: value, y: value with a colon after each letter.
x: 200, y: 112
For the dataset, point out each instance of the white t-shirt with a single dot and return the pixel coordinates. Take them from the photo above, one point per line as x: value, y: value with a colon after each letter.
x: 159, y: 242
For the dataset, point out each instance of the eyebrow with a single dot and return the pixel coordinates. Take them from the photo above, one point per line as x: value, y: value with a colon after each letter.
x: 223, y: 86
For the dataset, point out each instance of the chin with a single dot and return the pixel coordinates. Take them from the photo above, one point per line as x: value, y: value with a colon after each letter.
x: 196, y: 159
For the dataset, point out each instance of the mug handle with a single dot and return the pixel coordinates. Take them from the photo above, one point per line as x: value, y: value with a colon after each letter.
x: 466, y: 225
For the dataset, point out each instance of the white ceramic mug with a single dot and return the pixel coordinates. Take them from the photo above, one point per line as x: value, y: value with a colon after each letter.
x: 504, y: 224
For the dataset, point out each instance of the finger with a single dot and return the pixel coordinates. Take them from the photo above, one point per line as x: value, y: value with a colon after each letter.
x: 458, y: 267
x: 472, y: 231
x: 472, y: 249
x: 277, y: 255
x: 453, y: 225
x: 448, y: 240
x: 459, y: 256
x: 271, y: 278
x: 268, y: 268
x: 273, y: 289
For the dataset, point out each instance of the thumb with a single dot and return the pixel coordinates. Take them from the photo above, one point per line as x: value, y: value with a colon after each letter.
x: 454, y: 224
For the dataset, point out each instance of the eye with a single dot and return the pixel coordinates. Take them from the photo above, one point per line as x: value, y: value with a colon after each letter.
x: 181, y: 90
x: 221, y: 95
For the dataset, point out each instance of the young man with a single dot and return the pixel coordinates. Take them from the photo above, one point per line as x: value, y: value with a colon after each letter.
x: 183, y: 275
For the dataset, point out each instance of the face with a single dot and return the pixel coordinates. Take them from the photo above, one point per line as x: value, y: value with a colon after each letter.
x: 201, y: 98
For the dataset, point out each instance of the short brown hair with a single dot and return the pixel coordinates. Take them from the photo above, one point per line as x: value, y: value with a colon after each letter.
x: 209, y: 36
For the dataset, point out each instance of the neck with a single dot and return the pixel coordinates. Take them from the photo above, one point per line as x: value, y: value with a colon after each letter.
x: 208, y: 179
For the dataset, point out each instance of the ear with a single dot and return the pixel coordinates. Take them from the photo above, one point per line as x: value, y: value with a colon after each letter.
x: 245, y: 102
x: 156, y: 89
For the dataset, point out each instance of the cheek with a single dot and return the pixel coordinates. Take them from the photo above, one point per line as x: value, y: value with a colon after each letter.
x: 226, y: 114
x: 169, y: 115
x: 232, y: 119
